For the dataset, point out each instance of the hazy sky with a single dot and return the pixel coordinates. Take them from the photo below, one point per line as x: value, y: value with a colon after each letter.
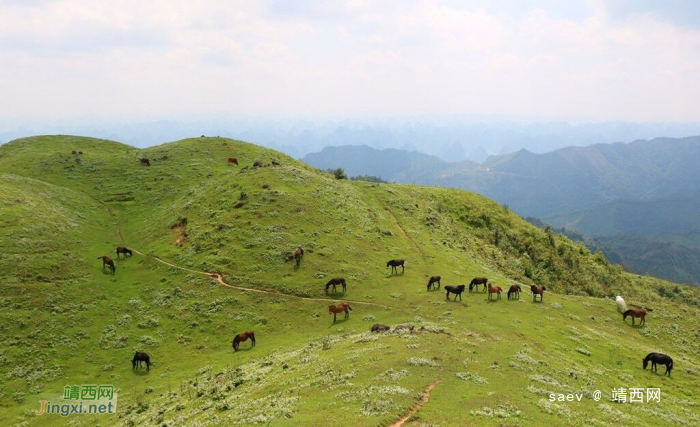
x: 636, y: 60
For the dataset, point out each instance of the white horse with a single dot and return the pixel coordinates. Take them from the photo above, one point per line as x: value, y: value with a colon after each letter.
x: 621, y: 306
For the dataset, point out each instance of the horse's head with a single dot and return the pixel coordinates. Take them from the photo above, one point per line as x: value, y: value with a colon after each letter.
x: 645, y: 362
x: 461, y: 287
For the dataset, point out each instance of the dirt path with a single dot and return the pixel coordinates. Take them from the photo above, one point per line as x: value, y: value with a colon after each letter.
x: 398, y: 224
x: 219, y: 279
x: 417, y: 406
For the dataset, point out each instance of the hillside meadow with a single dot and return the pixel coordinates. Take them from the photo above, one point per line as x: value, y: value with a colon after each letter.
x: 191, y: 217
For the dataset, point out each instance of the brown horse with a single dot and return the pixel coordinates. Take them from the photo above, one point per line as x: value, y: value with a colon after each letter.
x: 141, y: 357
x: 537, y: 290
x: 495, y: 290
x: 434, y: 279
x: 394, y: 264
x: 107, y: 261
x: 457, y: 290
x: 515, y: 291
x: 233, y: 160
x: 298, y: 254
x: 335, y: 309
x: 145, y: 161
x: 125, y: 251
x: 335, y: 282
x: 478, y: 281
x: 243, y: 337
x: 640, y: 314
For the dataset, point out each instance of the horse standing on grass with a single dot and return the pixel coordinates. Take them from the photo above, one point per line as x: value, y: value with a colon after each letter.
x: 107, y: 261
x: 457, y: 290
x: 621, y: 305
x: 125, y: 251
x: 334, y: 282
x: 476, y: 282
x: 515, y: 291
x: 640, y: 314
x: 537, y: 290
x: 659, y: 358
x: 232, y: 160
x: 434, y: 279
x: 495, y: 290
x: 243, y: 337
x: 342, y: 307
x: 394, y: 264
x: 145, y: 161
x: 298, y: 255
x: 141, y: 357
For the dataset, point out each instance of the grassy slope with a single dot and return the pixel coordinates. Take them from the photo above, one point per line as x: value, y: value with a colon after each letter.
x: 79, y: 325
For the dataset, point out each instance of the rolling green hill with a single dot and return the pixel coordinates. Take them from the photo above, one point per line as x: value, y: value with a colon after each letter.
x: 191, y: 285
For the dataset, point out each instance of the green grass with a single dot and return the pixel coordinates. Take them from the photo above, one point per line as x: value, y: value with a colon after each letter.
x: 64, y: 321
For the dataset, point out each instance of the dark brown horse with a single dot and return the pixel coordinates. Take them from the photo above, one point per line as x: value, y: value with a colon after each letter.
x: 243, y: 337
x: 275, y: 163
x: 141, y: 357
x: 478, y: 281
x: 342, y: 307
x: 125, y: 251
x: 640, y: 314
x: 107, y: 261
x: 394, y: 264
x: 515, y: 291
x: 537, y: 290
x: 233, y: 160
x: 495, y: 290
x: 660, y: 358
x: 145, y: 161
x: 335, y: 282
x: 434, y: 279
x: 298, y: 254
x: 457, y: 290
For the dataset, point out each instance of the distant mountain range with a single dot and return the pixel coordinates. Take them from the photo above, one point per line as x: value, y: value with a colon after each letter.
x: 649, y: 189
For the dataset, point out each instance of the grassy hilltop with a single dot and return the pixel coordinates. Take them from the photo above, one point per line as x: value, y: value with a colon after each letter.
x: 63, y: 321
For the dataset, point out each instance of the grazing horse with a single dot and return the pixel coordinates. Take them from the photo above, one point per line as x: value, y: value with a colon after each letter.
x: 275, y: 163
x: 621, y: 305
x: 125, y: 251
x: 243, y: 337
x: 298, y: 254
x: 335, y: 309
x: 233, y: 160
x: 107, y: 261
x: 141, y: 357
x: 515, y: 291
x: 476, y: 282
x: 434, y: 279
x: 495, y: 290
x: 655, y: 358
x: 334, y: 282
x: 457, y: 290
x: 145, y: 161
x: 394, y: 263
x: 635, y: 313
x: 537, y: 290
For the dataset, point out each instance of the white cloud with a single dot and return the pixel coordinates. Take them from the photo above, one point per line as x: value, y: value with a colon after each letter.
x: 157, y: 58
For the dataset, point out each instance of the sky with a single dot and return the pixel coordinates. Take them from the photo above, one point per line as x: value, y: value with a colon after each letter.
x: 630, y: 60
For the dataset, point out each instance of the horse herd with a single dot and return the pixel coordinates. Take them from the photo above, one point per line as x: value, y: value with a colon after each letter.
x: 434, y: 283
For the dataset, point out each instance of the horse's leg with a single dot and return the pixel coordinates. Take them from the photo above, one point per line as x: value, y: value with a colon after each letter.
x: 334, y: 317
x: 460, y: 296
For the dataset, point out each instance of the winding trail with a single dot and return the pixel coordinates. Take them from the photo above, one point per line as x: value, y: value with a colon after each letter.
x: 220, y: 279
x: 398, y: 224
x: 417, y: 406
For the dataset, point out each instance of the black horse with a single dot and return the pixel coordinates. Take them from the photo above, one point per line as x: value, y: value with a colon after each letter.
x: 141, y: 357
x: 335, y: 282
x: 434, y: 279
x: 457, y: 290
x: 125, y: 251
x: 660, y: 358
x: 394, y: 263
